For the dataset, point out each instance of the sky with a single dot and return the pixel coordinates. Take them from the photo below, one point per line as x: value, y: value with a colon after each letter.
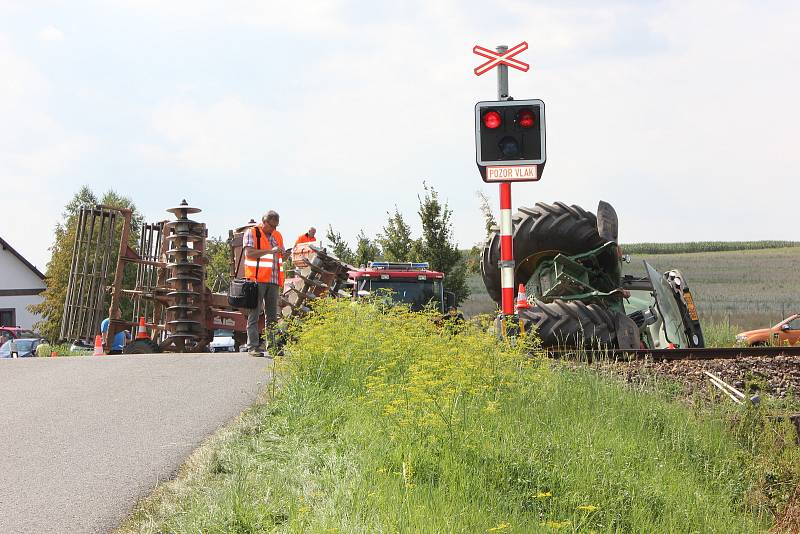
x: 683, y: 115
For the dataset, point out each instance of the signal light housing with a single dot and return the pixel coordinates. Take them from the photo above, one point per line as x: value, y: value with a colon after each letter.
x: 510, y: 133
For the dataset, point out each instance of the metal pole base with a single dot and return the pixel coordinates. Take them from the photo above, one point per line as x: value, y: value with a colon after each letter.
x: 507, y: 326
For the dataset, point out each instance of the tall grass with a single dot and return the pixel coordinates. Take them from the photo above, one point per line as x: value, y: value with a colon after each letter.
x: 386, y: 422
x: 719, y: 332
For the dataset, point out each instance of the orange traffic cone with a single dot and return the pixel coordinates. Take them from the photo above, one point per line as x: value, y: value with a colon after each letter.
x: 98, y: 345
x: 522, y: 298
x: 141, y: 332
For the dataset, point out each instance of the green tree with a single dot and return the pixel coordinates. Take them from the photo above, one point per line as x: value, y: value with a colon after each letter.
x: 472, y: 259
x: 395, y: 240
x: 367, y: 250
x: 218, y: 270
x: 436, y: 244
x: 51, y: 309
x: 339, y: 246
x: 486, y: 210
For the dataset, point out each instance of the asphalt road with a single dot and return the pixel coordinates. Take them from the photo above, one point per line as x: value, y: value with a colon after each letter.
x: 82, y: 439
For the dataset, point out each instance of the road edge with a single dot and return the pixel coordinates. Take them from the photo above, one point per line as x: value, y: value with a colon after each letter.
x: 193, y: 468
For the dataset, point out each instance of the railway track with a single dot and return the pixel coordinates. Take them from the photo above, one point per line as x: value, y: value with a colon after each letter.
x: 773, y: 370
x: 706, y: 353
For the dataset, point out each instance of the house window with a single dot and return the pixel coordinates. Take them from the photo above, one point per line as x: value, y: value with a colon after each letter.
x: 8, y: 317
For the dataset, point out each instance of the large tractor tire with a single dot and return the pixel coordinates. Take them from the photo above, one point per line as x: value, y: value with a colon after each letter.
x: 141, y: 346
x: 540, y: 232
x: 490, y: 269
x: 570, y: 324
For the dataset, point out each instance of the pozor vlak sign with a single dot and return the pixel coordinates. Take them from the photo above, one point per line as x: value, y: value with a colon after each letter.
x: 510, y: 140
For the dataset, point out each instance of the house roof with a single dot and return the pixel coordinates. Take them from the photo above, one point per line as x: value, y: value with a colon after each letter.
x: 4, y: 244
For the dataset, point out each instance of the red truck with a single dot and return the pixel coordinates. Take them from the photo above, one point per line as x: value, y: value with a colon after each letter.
x: 411, y: 283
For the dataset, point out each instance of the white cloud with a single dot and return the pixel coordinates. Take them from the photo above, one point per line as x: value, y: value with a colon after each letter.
x: 35, y: 152
x: 670, y: 110
x: 307, y: 17
x: 645, y: 108
x: 50, y: 33
x: 224, y: 136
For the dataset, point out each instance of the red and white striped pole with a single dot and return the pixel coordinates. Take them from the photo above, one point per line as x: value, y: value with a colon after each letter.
x: 506, y: 250
x: 506, y: 227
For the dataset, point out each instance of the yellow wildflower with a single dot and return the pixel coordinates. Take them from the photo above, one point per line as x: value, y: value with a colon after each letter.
x: 501, y: 526
x: 303, y: 510
x: 543, y: 494
x: 408, y: 473
x: 556, y: 524
x: 588, y: 507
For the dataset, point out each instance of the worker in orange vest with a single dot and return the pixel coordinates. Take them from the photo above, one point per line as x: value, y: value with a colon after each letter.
x: 308, y: 237
x: 262, y: 246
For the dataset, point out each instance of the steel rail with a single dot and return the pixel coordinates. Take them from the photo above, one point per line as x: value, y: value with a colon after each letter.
x: 706, y: 353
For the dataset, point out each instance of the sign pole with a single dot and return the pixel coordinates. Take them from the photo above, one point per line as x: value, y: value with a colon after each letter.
x: 506, y: 227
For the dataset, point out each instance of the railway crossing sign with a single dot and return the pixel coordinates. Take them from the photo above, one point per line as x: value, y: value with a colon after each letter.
x: 500, y: 58
x: 509, y: 143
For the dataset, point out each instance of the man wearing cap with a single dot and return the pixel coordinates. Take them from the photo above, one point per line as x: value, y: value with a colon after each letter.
x: 263, y: 263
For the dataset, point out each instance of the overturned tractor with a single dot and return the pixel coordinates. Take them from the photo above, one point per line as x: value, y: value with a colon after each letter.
x: 571, y: 265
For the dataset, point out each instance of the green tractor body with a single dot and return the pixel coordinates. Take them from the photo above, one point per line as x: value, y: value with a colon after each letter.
x: 571, y: 265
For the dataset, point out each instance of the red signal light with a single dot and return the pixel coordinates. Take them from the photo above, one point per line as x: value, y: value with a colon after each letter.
x: 492, y: 120
x: 526, y: 118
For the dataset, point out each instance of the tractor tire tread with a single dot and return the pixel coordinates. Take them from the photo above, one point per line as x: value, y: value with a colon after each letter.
x: 570, y: 324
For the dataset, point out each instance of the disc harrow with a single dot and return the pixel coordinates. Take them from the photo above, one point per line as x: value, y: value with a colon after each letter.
x: 186, y: 269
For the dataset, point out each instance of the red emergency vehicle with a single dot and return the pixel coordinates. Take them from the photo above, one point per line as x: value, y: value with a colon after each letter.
x: 411, y: 283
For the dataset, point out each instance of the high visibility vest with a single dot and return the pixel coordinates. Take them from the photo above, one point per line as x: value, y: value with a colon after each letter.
x: 260, y: 268
x: 305, y: 239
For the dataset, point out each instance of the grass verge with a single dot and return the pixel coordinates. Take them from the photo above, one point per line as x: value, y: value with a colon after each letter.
x: 385, y: 422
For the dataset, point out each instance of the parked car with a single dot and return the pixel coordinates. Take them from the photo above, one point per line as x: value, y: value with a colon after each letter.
x: 20, y: 348
x: 14, y: 332
x: 222, y: 342
x: 786, y: 331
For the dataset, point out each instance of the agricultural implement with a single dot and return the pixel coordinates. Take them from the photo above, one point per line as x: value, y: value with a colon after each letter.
x: 571, y: 264
x: 161, y: 276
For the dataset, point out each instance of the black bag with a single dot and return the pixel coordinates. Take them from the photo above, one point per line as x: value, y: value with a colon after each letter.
x: 243, y: 293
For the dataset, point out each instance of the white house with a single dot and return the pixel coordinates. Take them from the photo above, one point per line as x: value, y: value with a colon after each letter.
x: 20, y: 285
